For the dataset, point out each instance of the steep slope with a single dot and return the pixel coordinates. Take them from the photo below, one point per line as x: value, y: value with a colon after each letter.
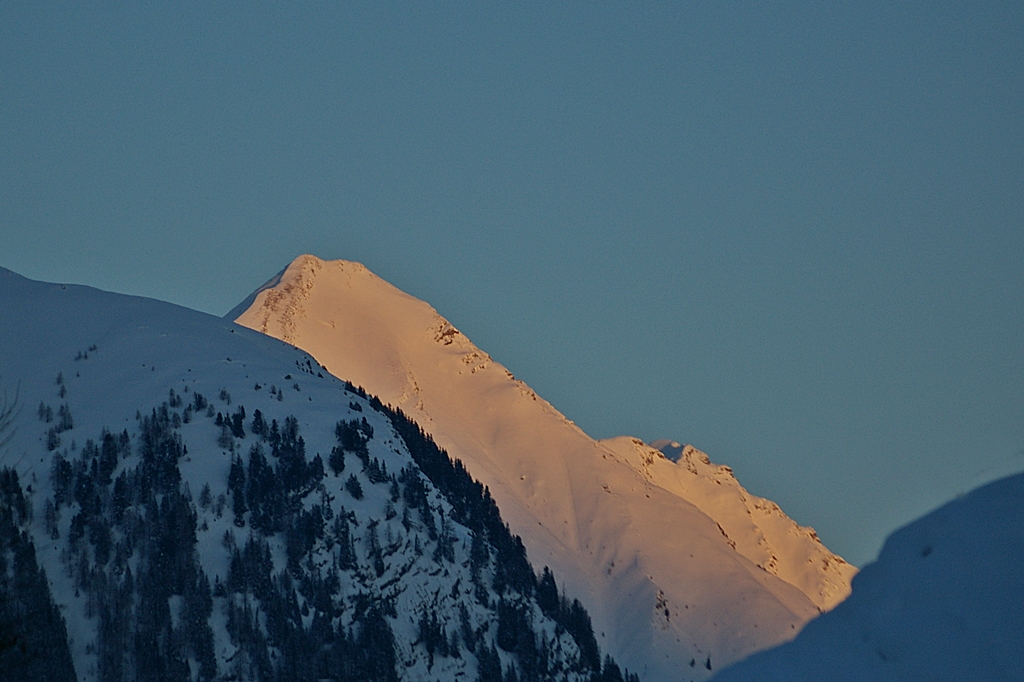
x: 207, y: 503
x: 942, y: 602
x: 760, y: 530
x: 669, y: 592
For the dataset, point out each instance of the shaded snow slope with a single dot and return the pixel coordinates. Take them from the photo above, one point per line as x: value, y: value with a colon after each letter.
x: 665, y: 585
x: 942, y: 602
x: 81, y: 361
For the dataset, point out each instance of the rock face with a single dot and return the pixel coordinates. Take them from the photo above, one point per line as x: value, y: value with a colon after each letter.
x: 942, y: 602
x: 682, y: 570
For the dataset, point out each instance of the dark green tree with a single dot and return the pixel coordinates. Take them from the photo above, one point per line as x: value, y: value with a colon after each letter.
x: 354, y: 488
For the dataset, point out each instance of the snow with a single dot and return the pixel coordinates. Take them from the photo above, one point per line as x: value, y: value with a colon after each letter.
x: 942, y: 602
x: 130, y: 351
x: 758, y: 527
x: 676, y: 562
x: 118, y: 354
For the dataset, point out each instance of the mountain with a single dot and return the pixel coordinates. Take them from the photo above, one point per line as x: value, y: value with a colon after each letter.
x: 184, y: 499
x: 942, y: 602
x: 682, y: 570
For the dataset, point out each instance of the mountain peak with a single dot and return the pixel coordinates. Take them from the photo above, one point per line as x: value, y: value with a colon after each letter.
x: 595, y: 511
x: 298, y: 275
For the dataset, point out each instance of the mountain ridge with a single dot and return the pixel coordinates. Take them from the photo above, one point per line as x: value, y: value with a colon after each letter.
x: 581, y: 506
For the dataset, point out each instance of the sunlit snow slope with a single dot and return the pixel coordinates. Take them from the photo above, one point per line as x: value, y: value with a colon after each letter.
x: 760, y: 530
x: 943, y: 602
x: 681, y: 569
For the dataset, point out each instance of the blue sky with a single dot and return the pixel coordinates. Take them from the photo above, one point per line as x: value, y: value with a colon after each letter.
x: 790, y: 234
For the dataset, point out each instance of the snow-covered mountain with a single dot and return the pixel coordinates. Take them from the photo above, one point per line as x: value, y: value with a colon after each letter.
x: 682, y: 570
x: 207, y: 503
x: 942, y: 602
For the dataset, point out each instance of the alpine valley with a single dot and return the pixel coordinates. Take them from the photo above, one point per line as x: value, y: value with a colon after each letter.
x: 366, y: 496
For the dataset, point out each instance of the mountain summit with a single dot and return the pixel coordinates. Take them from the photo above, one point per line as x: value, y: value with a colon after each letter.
x: 681, y: 568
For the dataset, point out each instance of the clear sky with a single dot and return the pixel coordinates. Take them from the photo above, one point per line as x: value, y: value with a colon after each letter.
x: 791, y: 234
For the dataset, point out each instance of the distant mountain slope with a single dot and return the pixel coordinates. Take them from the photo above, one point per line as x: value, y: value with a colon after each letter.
x: 942, y: 602
x: 674, y: 592
x: 208, y: 504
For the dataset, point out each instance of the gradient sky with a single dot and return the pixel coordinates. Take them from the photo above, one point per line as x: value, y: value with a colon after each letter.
x: 791, y: 234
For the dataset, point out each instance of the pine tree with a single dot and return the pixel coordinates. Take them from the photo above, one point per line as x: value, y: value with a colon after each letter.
x: 354, y: 488
x: 547, y: 593
x: 336, y: 460
x: 236, y: 485
x: 259, y: 426
x: 33, y: 637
